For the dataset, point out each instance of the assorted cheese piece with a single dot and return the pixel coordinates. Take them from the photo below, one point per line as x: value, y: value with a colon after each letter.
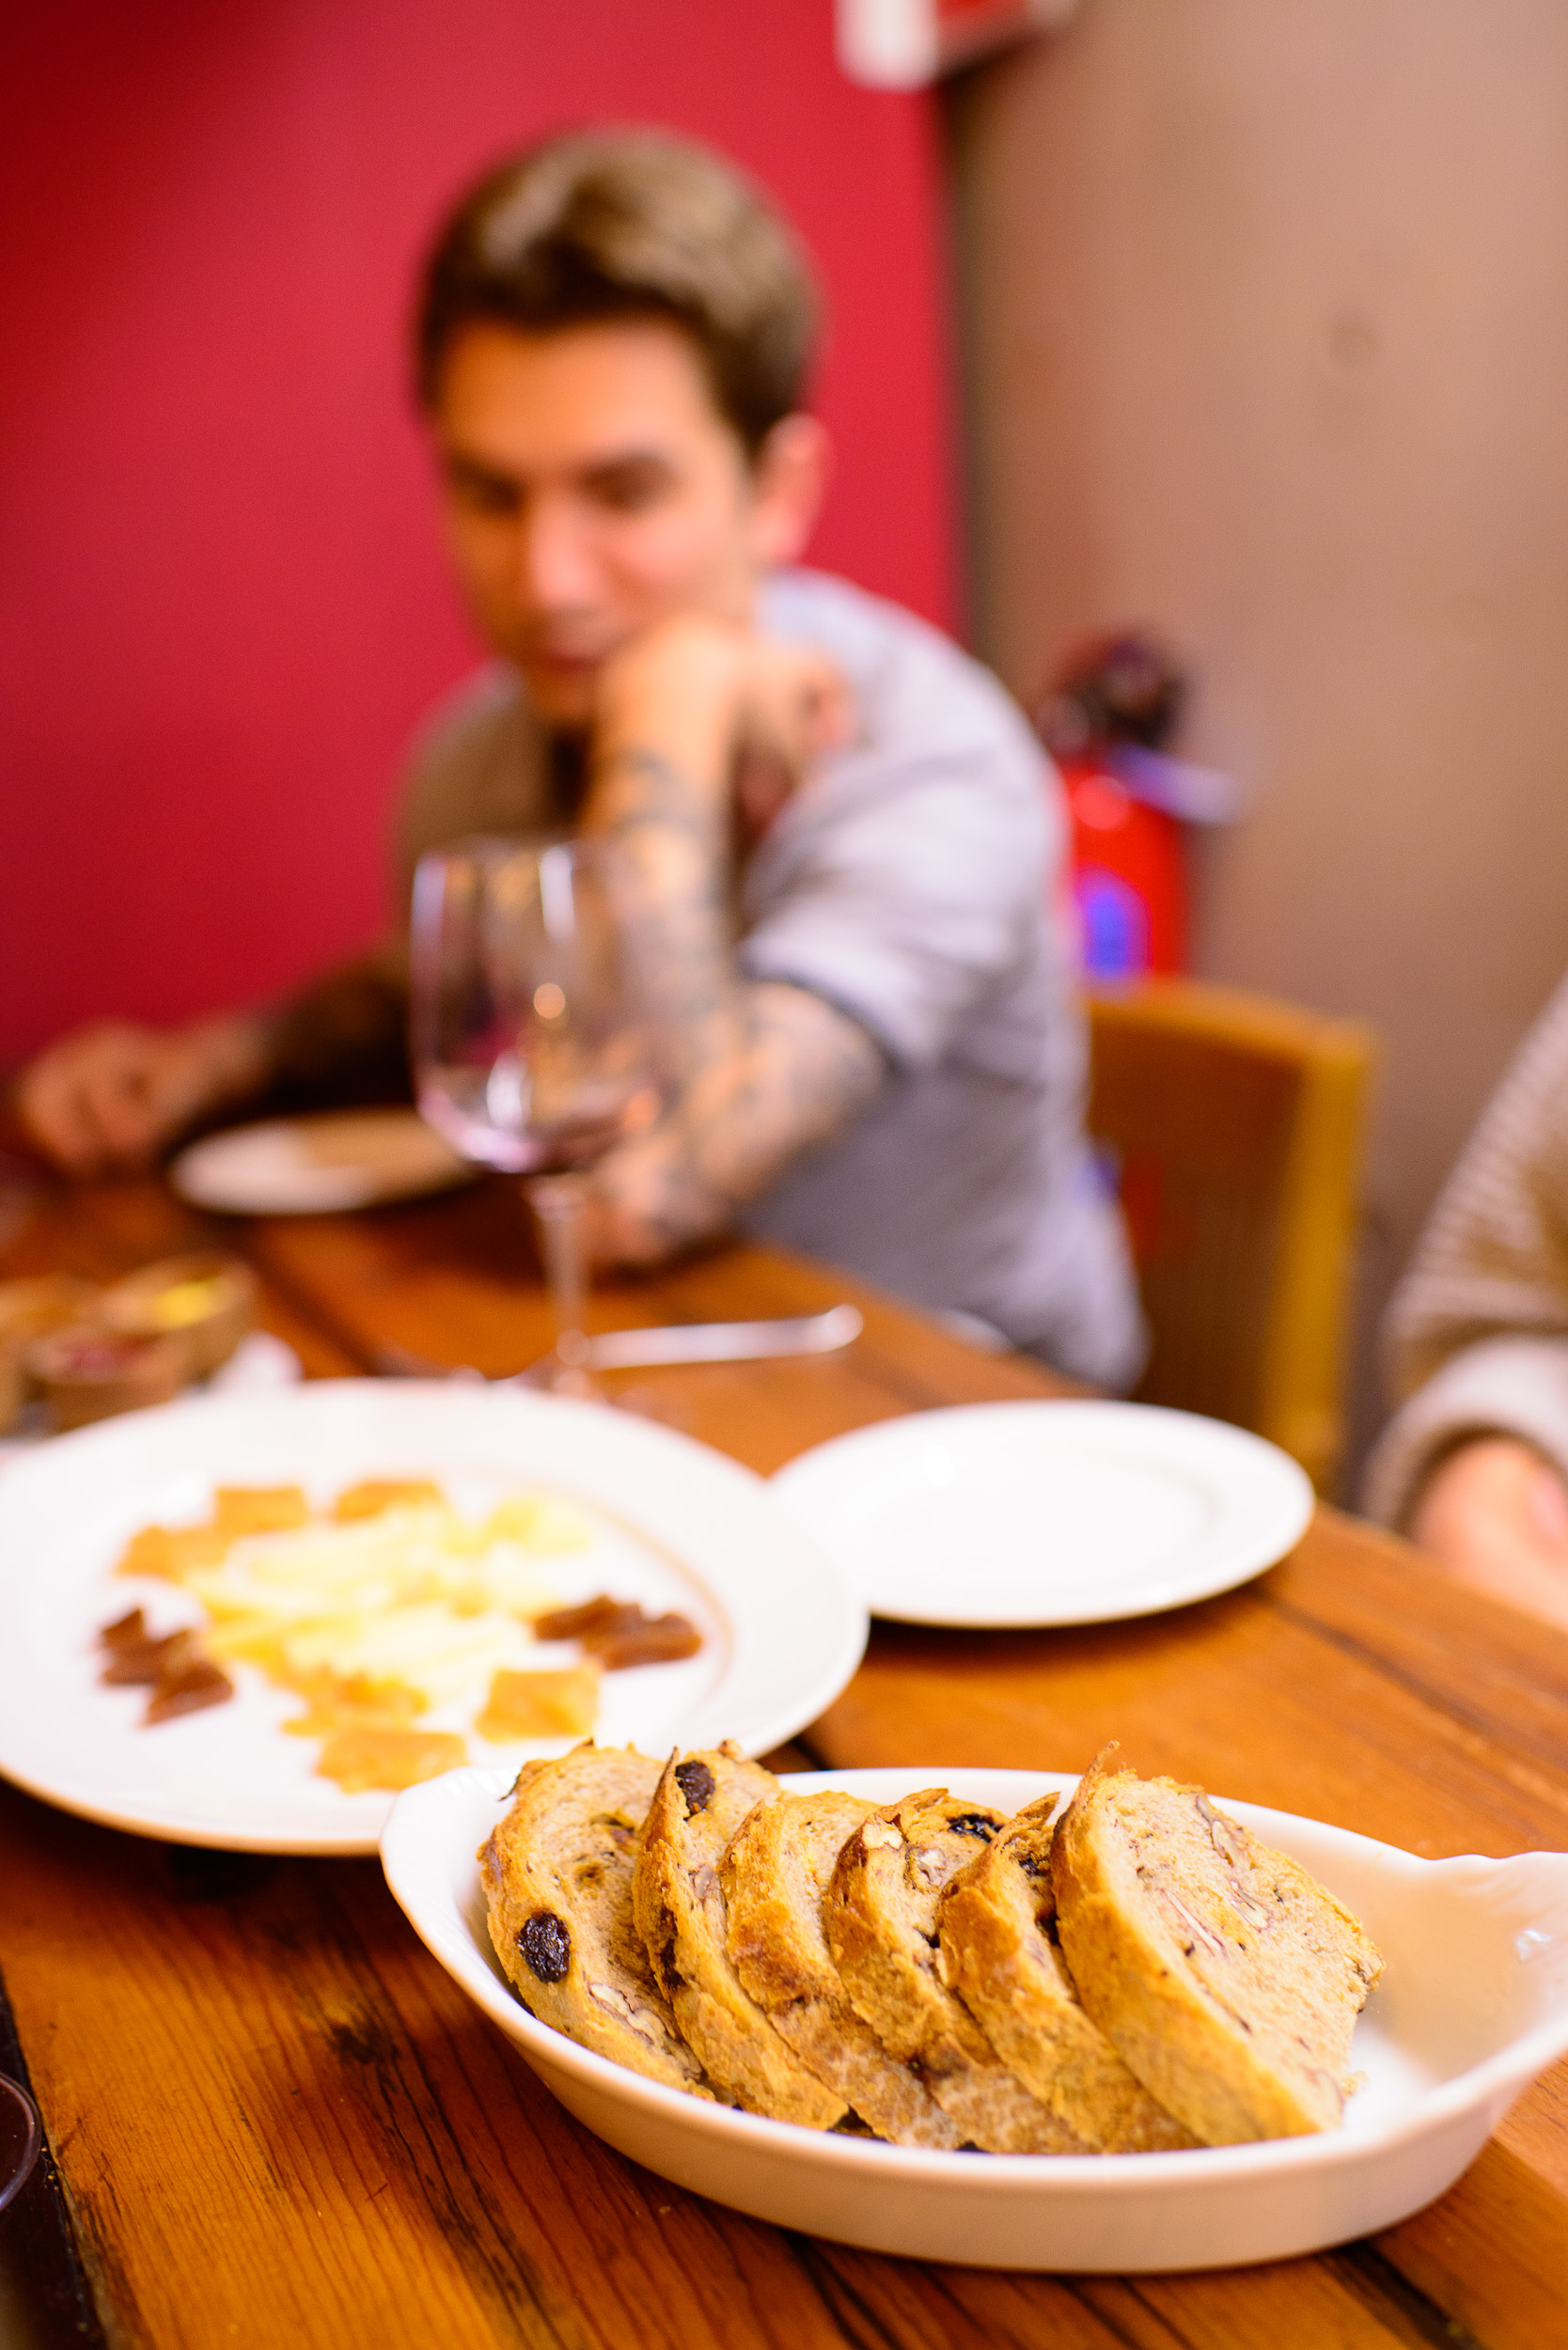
x: 387, y: 1606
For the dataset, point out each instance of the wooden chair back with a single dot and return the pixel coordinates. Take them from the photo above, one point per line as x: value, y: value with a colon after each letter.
x: 1233, y: 1124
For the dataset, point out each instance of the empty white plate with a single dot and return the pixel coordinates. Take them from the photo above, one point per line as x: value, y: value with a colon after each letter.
x: 1046, y: 1514
x: 317, y: 1165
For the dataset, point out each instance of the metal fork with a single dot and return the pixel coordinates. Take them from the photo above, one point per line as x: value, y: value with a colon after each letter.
x: 645, y: 1349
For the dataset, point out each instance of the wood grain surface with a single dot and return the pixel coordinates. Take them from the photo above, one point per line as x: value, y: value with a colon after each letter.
x: 278, y: 2122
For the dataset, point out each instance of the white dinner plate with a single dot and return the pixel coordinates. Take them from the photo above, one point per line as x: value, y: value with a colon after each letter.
x: 1472, y: 2005
x: 317, y: 1165
x: 688, y: 1529
x: 1046, y: 1514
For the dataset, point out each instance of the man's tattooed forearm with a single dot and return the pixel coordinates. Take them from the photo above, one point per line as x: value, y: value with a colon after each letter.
x: 633, y: 787
x: 797, y: 1070
x: 763, y: 1070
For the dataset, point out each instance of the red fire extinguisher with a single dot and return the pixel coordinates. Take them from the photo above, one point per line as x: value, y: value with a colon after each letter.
x: 1106, y: 723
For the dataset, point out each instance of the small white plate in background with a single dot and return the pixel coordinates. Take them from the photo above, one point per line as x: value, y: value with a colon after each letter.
x: 317, y: 1165
x: 1046, y: 1514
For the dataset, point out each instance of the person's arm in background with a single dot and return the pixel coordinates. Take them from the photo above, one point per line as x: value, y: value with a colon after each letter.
x: 107, y: 1098
x: 111, y: 1097
x: 1474, y: 1464
x: 1494, y: 1512
x: 765, y: 1069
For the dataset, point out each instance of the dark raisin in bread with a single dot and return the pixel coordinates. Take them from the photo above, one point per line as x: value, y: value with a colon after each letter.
x: 558, y: 1877
x: 681, y: 1913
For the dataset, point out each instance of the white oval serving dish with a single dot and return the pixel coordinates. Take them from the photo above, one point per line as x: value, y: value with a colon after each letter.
x: 1473, y: 2004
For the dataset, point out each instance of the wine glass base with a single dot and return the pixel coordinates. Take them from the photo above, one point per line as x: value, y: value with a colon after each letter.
x: 21, y: 2136
x: 563, y: 1372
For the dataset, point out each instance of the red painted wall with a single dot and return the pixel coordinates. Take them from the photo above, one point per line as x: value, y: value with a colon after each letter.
x: 221, y: 604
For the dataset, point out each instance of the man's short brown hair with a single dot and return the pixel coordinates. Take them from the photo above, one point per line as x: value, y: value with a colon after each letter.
x: 626, y: 225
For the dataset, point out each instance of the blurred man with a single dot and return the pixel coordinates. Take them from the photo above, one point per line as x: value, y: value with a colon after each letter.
x: 844, y: 823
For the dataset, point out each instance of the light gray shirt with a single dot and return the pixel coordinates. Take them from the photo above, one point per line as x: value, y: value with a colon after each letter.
x: 910, y: 884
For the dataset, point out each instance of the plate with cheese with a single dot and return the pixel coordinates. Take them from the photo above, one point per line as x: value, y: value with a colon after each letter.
x: 248, y: 1620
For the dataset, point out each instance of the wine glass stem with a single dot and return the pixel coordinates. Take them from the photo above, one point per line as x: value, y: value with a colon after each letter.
x: 558, y: 1203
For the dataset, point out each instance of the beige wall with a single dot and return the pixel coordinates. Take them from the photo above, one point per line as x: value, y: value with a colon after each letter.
x: 1267, y: 341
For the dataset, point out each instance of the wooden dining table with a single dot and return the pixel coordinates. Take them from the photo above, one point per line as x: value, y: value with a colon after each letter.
x: 272, y: 2119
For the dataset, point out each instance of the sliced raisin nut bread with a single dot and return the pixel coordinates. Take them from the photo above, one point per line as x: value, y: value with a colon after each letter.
x: 879, y: 1914
x: 557, y: 1878
x: 774, y: 1872
x: 1224, y: 1974
x: 996, y: 1920
x: 679, y: 1901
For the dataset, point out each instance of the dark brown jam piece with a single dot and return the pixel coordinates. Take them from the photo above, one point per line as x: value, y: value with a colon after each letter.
x: 575, y: 1624
x: 645, y: 1640
x: 973, y: 1823
x: 546, y: 1945
x: 182, y: 1677
x: 134, y: 1653
x: 618, y: 1634
x: 187, y: 1682
x: 696, y: 1782
x: 141, y: 1661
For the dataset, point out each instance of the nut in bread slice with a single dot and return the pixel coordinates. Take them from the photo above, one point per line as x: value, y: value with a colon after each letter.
x: 680, y: 1905
x: 775, y: 1871
x: 557, y: 1879
x: 1224, y: 1974
x: 996, y: 1920
x: 879, y: 1914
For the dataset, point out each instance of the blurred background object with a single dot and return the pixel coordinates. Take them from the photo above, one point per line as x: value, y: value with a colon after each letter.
x: 71, y: 1352
x: 1233, y: 1127
x: 900, y: 44
x: 1107, y: 722
x: 1244, y: 352
x: 223, y: 604
x: 1265, y: 330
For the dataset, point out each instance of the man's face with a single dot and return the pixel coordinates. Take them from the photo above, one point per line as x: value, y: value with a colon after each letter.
x: 592, y: 488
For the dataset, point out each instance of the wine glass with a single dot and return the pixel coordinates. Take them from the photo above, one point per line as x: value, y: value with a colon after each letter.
x: 530, y: 1053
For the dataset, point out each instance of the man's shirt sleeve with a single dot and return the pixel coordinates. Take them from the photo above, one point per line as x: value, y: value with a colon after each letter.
x: 906, y: 899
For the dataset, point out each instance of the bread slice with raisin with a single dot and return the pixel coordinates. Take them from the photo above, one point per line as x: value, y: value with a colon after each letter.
x: 557, y: 1879
x: 995, y: 1921
x: 1223, y: 1973
x: 879, y: 1914
x: 775, y: 1871
x: 679, y: 1900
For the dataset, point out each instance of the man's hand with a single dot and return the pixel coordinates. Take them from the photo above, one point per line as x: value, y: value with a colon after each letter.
x: 724, y: 708
x: 794, y: 707
x: 1495, y: 1515
x: 109, y: 1097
